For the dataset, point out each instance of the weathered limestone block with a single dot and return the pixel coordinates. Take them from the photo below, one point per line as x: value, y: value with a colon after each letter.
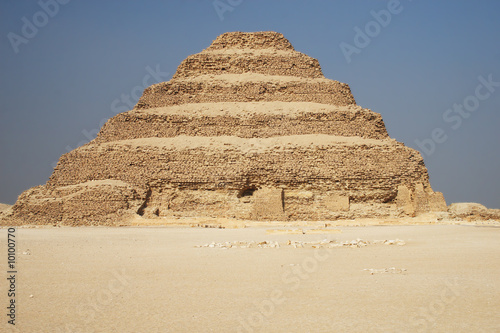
x: 189, y: 203
x: 420, y: 199
x: 268, y: 204
x: 336, y: 202
x: 37, y: 206
x: 298, y: 194
x: 465, y: 209
x: 404, y: 200
x: 437, y: 203
x: 96, y: 202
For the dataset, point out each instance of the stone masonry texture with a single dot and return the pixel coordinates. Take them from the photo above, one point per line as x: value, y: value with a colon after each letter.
x: 248, y: 128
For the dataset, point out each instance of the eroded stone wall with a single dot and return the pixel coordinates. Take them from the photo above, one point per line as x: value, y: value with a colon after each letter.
x: 251, y: 40
x: 167, y: 123
x: 177, y: 92
x: 103, y: 202
x: 278, y: 64
x: 363, y: 171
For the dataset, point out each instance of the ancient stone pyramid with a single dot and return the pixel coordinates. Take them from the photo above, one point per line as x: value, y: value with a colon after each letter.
x: 248, y: 128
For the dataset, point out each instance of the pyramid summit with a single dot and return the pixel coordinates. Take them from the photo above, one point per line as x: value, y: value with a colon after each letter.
x: 248, y: 128
x: 247, y: 67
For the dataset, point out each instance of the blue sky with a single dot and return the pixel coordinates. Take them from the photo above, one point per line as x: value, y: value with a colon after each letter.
x: 59, y: 80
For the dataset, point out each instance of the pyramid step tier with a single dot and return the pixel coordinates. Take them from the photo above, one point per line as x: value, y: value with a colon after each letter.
x: 247, y: 120
x: 364, y: 169
x: 253, y: 40
x: 283, y: 63
x: 245, y: 88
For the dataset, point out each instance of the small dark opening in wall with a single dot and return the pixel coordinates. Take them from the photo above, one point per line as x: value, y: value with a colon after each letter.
x: 247, y: 192
x: 141, y: 209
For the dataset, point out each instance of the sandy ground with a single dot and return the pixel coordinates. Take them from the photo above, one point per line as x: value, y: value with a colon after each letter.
x: 154, y: 279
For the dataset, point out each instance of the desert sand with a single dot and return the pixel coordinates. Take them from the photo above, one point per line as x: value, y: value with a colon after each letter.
x: 440, y: 278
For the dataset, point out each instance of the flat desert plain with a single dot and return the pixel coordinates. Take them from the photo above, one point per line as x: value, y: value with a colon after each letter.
x: 443, y: 278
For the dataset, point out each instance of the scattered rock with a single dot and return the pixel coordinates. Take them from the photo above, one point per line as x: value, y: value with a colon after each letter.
x: 392, y: 270
x: 473, y: 212
x: 325, y: 243
x: 464, y: 209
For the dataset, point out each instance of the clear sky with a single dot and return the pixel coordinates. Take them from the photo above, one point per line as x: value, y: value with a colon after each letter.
x: 431, y: 68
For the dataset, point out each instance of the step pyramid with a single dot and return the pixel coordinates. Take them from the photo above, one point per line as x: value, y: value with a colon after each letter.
x: 248, y: 128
